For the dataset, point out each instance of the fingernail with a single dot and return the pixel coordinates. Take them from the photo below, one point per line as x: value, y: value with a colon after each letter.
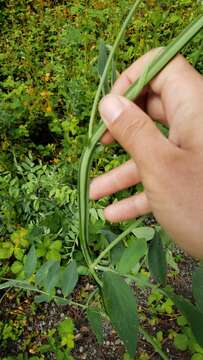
x: 111, y: 107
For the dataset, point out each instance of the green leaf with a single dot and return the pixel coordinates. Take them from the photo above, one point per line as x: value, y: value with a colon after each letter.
x: 181, y: 321
x: 157, y: 259
x: 30, y: 262
x: 136, y: 250
x: 102, y: 60
x: 42, y: 298
x: 53, y: 277
x: 16, y: 267
x: 5, y: 253
x: 144, y: 232
x: 60, y: 301
x: 197, y: 357
x: 6, y: 284
x: 95, y: 320
x: 18, y: 283
x: 69, y: 278
x: 19, y: 253
x: 116, y: 253
x: 121, y: 306
x: 181, y: 342
x: 66, y: 327
x: 191, y: 313
x: 103, y: 57
x: 42, y: 273
x: 197, y: 286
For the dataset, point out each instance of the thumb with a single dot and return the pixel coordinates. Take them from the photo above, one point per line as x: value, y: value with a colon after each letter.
x: 133, y: 129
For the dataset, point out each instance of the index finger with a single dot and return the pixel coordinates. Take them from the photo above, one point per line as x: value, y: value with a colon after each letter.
x: 127, y: 78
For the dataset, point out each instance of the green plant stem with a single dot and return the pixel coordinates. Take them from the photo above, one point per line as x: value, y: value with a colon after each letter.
x: 108, y: 65
x: 91, y: 296
x: 19, y: 284
x: 116, y: 241
x: 154, y: 343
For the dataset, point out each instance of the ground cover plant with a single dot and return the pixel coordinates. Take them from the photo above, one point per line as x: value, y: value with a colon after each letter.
x: 46, y: 97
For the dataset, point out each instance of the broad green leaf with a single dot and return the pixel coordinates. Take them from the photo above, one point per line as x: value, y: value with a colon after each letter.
x: 181, y: 342
x: 30, y: 262
x: 19, y: 253
x: 136, y: 250
x: 83, y: 270
x: 197, y: 286
x: 144, y: 232
x: 16, y: 267
x: 116, y: 253
x: 56, y: 245
x: 69, y: 278
x: 121, y: 306
x: 157, y: 259
x: 5, y: 253
x: 42, y: 273
x: 191, y: 313
x: 42, y: 298
x: 197, y: 357
x: 53, y: 277
x: 95, y: 320
x: 66, y: 327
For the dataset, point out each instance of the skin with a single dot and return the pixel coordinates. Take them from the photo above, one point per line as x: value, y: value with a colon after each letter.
x: 171, y: 170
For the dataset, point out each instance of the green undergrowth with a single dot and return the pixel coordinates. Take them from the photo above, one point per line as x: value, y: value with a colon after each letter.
x: 48, y: 79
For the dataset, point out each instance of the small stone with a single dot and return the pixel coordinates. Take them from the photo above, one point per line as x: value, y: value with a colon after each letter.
x: 83, y: 356
x: 78, y: 337
x: 118, y: 342
x: 81, y: 348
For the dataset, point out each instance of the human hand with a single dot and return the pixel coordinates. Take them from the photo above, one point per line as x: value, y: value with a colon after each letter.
x: 171, y: 170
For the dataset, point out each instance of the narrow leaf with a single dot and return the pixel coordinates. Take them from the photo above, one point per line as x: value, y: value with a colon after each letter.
x: 103, y: 57
x: 102, y: 60
x: 197, y: 286
x: 42, y: 298
x: 18, y: 283
x: 136, y: 250
x: 69, y: 278
x: 121, y: 306
x: 6, y: 285
x: 60, y: 301
x: 95, y: 320
x: 30, y: 262
x: 157, y: 259
x: 191, y: 313
x: 113, y: 73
